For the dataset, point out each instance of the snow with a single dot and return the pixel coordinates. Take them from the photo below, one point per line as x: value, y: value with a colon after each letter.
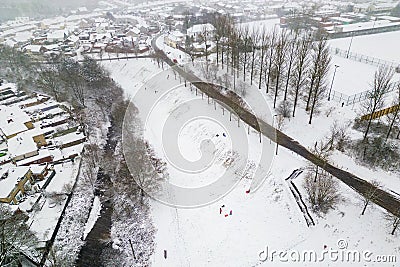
x: 345, y: 82
x: 259, y: 25
x: 68, y: 138
x: 22, y: 144
x: 8, y: 184
x: 12, y: 120
x: 381, y: 45
x: 201, y: 236
x: 65, y: 175
x: 131, y: 74
x: 93, y: 216
x: 43, y: 222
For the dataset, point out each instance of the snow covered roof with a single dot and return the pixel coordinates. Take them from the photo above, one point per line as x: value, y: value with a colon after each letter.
x: 135, y: 30
x: 198, y: 28
x: 10, y: 42
x: 37, y: 169
x: 9, y: 183
x: 32, y: 48
x: 12, y: 120
x: 82, y: 9
x: 42, y: 153
x: 68, y: 138
x: 21, y: 37
x: 23, y: 143
x: 59, y: 35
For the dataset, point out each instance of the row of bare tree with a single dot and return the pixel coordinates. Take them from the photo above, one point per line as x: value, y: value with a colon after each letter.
x: 291, y: 65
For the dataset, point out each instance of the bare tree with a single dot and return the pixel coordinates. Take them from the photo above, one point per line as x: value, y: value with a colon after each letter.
x: 394, y: 220
x: 272, y: 41
x: 301, y: 64
x: 49, y: 81
x: 338, y: 136
x: 246, y: 43
x: 279, y: 60
x: 322, y: 151
x: 90, y: 166
x: 320, y: 66
x: 264, y: 42
x: 255, y: 38
x: 375, y: 97
x: 71, y: 76
x: 15, y: 237
x: 371, y: 194
x: 323, y: 193
x: 144, y: 166
x: 393, y: 118
x: 292, y: 51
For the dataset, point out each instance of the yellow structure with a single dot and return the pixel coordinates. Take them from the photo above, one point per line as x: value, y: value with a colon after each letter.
x: 381, y: 112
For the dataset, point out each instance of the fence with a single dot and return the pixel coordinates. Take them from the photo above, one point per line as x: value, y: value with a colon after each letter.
x: 356, y: 98
x: 363, y: 58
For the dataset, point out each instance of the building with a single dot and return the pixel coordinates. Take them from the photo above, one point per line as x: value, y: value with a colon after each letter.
x: 13, y: 120
x: 196, y: 31
x: 56, y: 36
x: 174, y: 39
x: 21, y: 147
x: 14, y: 183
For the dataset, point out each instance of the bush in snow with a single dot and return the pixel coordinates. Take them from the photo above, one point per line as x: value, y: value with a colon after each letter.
x: 323, y: 192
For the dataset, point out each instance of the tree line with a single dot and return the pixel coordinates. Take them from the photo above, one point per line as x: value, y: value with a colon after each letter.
x: 291, y: 65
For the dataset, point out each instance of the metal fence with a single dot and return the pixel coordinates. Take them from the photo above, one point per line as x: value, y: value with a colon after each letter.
x: 347, y: 100
x: 363, y: 58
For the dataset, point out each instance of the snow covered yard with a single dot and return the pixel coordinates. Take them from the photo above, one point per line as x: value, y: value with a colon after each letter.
x: 269, y: 217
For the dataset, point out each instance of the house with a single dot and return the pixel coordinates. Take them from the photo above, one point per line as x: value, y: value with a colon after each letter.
x: 43, y: 156
x: 13, y: 120
x: 69, y: 140
x: 174, y: 39
x: 56, y: 36
x: 14, y: 183
x: 196, y: 31
x: 72, y: 41
x: 134, y: 32
x: 33, y: 49
x: 21, y: 147
x: 84, y: 24
x: 39, y: 172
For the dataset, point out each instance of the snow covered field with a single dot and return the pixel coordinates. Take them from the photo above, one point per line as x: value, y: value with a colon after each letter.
x: 351, y: 77
x: 270, y: 217
x: 259, y: 25
x: 380, y: 45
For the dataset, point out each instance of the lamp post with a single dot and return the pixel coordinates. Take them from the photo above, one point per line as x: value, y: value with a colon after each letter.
x: 351, y: 41
x: 333, y: 78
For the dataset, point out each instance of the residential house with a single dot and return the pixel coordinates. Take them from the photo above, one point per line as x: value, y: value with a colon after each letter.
x: 174, y: 39
x: 13, y: 120
x: 21, y: 147
x: 133, y: 32
x: 14, y: 183
x: 197, y: 31
x: 39, y: 172
x: 56, y: 36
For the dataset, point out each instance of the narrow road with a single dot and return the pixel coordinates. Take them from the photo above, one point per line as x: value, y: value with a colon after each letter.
x: 386, y: 200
